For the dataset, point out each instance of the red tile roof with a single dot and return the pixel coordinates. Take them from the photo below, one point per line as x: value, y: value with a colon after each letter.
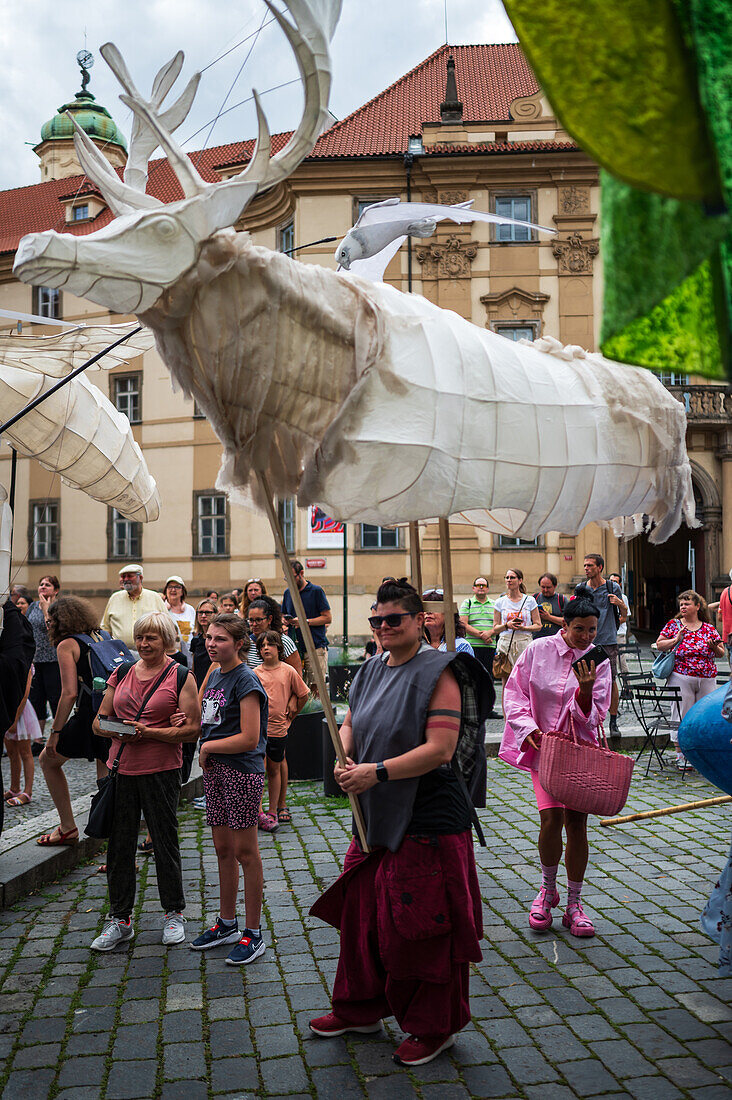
x: 489, y: 78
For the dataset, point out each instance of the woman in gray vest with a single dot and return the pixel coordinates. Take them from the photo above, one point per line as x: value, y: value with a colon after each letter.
x: 409, y: 912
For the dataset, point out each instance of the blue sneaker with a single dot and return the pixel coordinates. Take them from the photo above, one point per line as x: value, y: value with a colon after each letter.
x: 212, y: 937
x: 249, y: 948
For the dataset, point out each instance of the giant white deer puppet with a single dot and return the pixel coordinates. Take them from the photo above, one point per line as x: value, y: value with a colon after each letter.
x: 377, y: 405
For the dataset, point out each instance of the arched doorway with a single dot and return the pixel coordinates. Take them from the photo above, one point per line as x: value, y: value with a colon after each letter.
x: 656, y: 574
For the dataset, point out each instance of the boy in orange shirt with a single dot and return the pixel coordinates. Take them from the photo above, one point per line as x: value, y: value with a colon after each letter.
x: 287, y: 693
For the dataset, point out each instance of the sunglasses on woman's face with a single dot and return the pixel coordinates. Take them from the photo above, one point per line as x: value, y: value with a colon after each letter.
x: 393, y: 620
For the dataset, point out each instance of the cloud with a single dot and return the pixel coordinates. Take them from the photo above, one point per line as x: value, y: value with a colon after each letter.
x: 374, y: 44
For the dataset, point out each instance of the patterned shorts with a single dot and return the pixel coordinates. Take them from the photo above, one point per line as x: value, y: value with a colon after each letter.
x: 232, y: 798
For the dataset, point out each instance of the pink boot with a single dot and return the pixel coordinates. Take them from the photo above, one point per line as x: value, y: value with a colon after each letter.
x: 577, y: 922
x: 540, y: 914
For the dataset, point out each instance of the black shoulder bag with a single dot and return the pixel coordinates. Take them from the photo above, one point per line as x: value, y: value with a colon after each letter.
x: 101, y: 812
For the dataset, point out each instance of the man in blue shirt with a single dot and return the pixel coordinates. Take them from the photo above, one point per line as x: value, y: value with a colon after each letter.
x: 319, y: 616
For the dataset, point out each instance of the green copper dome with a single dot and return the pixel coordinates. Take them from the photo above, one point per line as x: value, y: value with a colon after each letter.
x: 90, y: 116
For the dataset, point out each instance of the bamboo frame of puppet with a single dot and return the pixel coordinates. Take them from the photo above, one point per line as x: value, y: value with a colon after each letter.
x: 647, y: 814
x: 328, y: 711
x: 447, y: 604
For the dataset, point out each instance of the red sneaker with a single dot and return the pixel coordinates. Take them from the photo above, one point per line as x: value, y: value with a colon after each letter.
x: 540, y: 914
x: 330, y: 1026
x: 418, y: 1052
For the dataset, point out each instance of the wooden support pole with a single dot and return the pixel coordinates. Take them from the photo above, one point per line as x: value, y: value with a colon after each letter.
x: 667, y: 810
x: 415, y: 557
x: 446, y: 570
x: 330, y: 717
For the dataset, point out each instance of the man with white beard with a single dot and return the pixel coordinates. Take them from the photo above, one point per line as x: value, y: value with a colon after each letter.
x: 125, y: 607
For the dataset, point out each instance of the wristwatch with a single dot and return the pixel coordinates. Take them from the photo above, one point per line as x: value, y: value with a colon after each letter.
x: 382, y: 774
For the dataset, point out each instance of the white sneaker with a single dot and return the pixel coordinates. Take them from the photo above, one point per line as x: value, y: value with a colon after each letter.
x: 173, y: 931
x: 115, y: 931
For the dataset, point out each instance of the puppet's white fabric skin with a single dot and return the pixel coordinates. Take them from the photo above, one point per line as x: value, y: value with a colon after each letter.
x: 77, y: 431
x: 377, y: 405
x: 383, y: 227
x: 448, y: 419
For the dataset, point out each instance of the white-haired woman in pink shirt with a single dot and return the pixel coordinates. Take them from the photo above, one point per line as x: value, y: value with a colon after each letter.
x: 542, y: 694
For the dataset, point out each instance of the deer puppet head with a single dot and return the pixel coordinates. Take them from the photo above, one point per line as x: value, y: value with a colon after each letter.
x: 149, y: 245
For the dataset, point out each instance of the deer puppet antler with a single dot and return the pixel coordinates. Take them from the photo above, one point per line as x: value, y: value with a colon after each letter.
x: 309, y: 35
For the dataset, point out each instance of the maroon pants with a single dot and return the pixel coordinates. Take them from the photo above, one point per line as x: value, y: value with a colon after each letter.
x: 410, y: 923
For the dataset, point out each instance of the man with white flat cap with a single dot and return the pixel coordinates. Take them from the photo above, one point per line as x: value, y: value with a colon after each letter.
x: 125, y: 607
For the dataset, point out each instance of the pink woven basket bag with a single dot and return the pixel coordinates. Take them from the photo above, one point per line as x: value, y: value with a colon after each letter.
x: 588, y: 778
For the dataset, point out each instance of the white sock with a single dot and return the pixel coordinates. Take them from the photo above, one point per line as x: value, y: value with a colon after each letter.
x: 227, y: 923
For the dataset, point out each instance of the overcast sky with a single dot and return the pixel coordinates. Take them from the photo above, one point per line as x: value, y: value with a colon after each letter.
x: 375, y: 43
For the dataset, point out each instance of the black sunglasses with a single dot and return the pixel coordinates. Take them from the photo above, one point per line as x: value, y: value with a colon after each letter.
x: 393, y: 620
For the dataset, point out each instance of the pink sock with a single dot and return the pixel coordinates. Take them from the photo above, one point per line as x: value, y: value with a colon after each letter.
x: 549, y: 878
x: 574, y: 889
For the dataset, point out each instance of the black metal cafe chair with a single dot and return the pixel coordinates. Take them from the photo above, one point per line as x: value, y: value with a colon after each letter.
x: 658, y: 710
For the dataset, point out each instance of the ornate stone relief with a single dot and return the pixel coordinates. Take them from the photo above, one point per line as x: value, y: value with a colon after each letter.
x: 446, y: 198
x: 526, y: 108
x: 516, y: 306
x: 574, y: 200
x: 449, y: 258
x: 575, y: 254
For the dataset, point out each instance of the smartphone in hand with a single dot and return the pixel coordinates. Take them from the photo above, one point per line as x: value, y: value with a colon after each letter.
x: 597, y: 654
x: 116, y: 726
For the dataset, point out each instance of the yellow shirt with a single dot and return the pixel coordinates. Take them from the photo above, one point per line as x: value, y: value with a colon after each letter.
x: 122, y: 612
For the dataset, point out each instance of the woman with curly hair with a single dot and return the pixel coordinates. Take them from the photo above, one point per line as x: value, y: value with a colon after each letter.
x: 71, y: 736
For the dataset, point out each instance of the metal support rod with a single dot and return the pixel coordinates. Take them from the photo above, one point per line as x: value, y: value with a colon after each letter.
x: 64, y: 381
x: 330, y: 717
x: 667, y: 810
x: 408, y: 162
x: 446, y: 570
x: 323, y: 240
x: 11, y: 495
x: 415, y: 558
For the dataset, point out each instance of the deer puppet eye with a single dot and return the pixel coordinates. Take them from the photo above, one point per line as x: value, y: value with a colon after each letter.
x: 166, y: 228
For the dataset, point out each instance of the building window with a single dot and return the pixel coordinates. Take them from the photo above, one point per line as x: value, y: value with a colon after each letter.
x: 513, y: 206
x: 673, y: 378
x: 124, y: 537
x: 80, y: 213
x: 127, y: 389
x: 379, y: 538
x: 286, y: 237
x: 516, y: 332
x: 47, y: 302
x: 211, y: 530
x: 45, y: 533
x: 507, y: 543
x: 286, y: 513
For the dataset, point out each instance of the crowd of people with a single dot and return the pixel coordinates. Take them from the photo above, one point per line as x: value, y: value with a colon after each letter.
x: 227, y: 678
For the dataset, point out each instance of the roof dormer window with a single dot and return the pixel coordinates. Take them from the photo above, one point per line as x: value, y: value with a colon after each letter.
x: 80, y: 213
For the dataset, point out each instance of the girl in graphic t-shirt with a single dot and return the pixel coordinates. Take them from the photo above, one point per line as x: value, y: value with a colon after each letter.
x: 233, y: 739
x: 286, y: 692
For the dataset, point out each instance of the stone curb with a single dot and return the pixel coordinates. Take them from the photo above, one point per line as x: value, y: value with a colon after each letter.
x: 28, y: 866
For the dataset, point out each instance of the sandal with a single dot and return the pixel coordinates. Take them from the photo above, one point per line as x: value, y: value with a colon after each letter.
x: 56, y: 838
x: 10, y: 794
x: 268, y: 823
x: 145, y: 847
x: 284, y: 816
x: 577, y: 922
x: 20, y: 799
x: 540, y: 914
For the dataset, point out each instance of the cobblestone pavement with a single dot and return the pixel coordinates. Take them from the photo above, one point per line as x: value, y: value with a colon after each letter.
x: 637, y: 1012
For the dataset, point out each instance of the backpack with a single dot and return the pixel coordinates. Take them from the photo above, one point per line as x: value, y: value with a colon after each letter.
x: 105, y: 655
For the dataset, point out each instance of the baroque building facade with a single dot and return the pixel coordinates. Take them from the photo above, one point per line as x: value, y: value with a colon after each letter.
x: 470, y: 122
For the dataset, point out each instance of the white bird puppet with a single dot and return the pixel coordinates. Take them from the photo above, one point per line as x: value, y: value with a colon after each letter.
x: 383, y: 227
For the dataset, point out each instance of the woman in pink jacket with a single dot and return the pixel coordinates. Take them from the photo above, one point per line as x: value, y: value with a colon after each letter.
x: 542, y: 693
